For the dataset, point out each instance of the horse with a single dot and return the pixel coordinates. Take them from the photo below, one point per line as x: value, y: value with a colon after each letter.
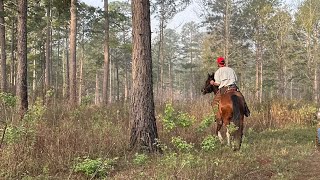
x: 231, y: 109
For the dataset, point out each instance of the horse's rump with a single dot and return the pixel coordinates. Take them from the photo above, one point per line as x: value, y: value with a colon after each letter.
x: 231, y: 105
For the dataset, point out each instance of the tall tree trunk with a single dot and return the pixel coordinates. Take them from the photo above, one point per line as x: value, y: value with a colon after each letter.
x: 126, y: 85
x: 117, y: 79
x: 73, y: 59
x: 22, y: 86
x: 34, y: 74
x: 143, y: 123
x: 316, y: 66
x: 81, y: 72
x: 3, y: 62
x: 106, y: 73
x: 81, y: 65
x: 97, y: 97
x: 226, y: 30
x: 12, y: 48
x: 57, y: 89
x: 191, y: 68
x: 66, y: 74
x: 161, y: 55
x: 47, y: 79
x: 258, y: 62
x: 261, y: 81
x: 171, y: 80
x: 111, y: 75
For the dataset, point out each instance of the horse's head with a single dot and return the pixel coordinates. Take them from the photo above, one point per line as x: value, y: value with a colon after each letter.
x: 208, y: 88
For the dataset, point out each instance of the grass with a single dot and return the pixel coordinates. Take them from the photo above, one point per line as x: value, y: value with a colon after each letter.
x: 51, y: 143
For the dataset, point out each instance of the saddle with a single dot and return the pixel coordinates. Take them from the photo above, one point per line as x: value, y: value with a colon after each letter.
x: 230, y: 88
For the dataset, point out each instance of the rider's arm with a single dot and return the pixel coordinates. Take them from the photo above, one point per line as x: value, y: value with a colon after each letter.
x: 214, y: 83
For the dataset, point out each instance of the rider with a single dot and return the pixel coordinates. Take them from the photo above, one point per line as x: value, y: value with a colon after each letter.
x: 226, y: 78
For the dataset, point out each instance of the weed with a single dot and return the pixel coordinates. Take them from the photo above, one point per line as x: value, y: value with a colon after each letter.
x: 140, y: 159
x: 95, y: 167
x: 181, y: 144
x: 209, y: 143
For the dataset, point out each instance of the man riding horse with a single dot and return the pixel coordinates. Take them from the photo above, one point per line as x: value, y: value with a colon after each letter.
x: 226, y: 78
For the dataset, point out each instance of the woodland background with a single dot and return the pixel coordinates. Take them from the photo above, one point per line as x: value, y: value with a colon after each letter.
x: 65, y: 111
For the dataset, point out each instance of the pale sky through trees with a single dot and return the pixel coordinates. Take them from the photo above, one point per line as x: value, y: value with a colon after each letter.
x: 191, y: 13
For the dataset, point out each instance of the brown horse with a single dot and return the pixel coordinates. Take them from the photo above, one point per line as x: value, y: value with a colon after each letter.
x: 231, y: 109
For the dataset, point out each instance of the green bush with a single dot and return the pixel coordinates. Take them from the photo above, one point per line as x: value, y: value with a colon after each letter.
x: 7, y: 99
x: 140, y: 159
x: 94, y: 167
x: 209, y: 143
x: 181, y: 144
x: 206, y: 122
x: 172, y: 119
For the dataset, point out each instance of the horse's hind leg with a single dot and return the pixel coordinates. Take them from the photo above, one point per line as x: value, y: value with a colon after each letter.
x: 218, y: 133
x: 228, y: 137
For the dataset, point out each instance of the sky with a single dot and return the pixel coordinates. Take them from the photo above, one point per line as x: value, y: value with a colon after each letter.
x: 191, y: 13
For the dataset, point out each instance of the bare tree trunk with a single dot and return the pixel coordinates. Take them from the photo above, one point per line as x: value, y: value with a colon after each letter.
x: 144, y: 133
x: 13, y: 69
x: 316, y: 66
x: 110, y: 80
x: 66, y: 67
x: 34, y: 79
x: 73, y: 59
x: 97, y: 97
x: 315, y: 89
x: 257, y: 87
x: 105, y: 96
x: 161, y: 50
x: 191, y: 68
x: 171, y: 80
x: 158, y: 82
x: 261, y: 81
x: 117, y: 79
x: 22, y: 86
x: 81, y: 73
x: 126, y: 84
x: 226, y: 30
x: 47, y: 79
x: 3, y: 62
x: 81, y: 66
x: 57, y: 89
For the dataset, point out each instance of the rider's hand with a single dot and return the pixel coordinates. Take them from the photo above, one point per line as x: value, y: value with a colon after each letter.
x: 212, y: 82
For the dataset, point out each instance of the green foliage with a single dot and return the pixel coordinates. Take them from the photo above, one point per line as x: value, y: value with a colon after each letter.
x: 181, y: 144
x: 7, y: 99
x: 190, y: 160
x: 185, y: 120
x: 209, y: 143
x: 13, y: 134
x: 28, y: 126
x: 232, y: 128
x: 49, y: 93
x: 168, y: 117
x: 140, y: 159
x: 36, y: 112
x: 206, y: 122
x: 86, y: 100
x: 172, y: 119
x: 95, y: 167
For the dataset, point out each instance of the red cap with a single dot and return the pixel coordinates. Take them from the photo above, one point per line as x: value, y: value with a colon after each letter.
x: 220, y: 60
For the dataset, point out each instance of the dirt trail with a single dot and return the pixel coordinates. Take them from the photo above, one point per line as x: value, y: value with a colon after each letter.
x: 310, y: 168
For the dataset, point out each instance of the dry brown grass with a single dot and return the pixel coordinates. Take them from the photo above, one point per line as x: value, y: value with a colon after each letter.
x: 49, y: 148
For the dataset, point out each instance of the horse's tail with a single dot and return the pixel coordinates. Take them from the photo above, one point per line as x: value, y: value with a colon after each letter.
x: 236, y: 110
